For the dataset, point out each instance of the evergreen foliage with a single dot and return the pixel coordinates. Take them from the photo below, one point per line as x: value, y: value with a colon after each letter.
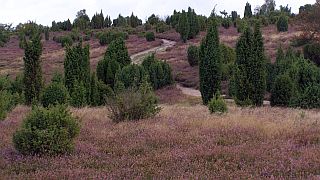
x: 77, y: 69
x: 193, y: 55
x: 282, y: 23
x: 210, y: 64
x: 97, y: 21
x: 54, y: 94
x: 312, y: 52
x: 282, y: 91
x: 150, y: 36
x: 183, y: 26
x: 47, y: 132
x: 32, y: 68
x: 250, y: 74
x: 248, y: 11
x: 217, y: 104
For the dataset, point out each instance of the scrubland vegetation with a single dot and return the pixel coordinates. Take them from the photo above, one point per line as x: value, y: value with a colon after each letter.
x: 77, y: 104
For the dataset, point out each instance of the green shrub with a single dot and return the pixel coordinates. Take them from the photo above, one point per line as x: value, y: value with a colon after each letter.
x: 7, y: 102
x: 162, y: 27
x: 55, y: 93
x: 47, y: 132
x: 75, y: 34
x: 150, y: 36
x: 109, y: 36
x: 131, y: 75
x: 46, y: 34
x: 78, y: 95
x: 310, y: 99
x: 133, y: 104
x: 282, y: 91
x: 105, y: 91
x: 312, y: 52
x: 226, y: 23
x: 282, y: 23
x: 217, y: 104
x: 159, y: 72
x: 193, y: 55
x: 64, y: 40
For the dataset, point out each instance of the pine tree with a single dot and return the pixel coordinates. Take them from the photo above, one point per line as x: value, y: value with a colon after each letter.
x: 183, y: 26
x: 210, y: 63
x: 32, y: 68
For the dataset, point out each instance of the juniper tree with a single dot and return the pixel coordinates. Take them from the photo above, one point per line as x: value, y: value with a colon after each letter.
x: 247, y: 11
x: 77, y: 68
x: 258, y: 69
x: 193, y: 22
x: 245, y: 55
x: 250, y: 76
x: 118, y: 51
x: 32, y: 68
x: 183, y: 26
x: 210, y: 63
x: 94, y: 91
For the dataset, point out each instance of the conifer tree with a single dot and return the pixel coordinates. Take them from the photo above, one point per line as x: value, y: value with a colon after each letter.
x: 210, y: 63
x: 118, y: 51
x: 183, y: 26
x: 32, y: 68
x: 248, y: 11
x: 77, y: 68
x: 258, y: 70
x: 250, y: 75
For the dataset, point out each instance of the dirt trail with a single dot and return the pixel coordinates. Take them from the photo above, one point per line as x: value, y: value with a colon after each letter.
x: 138, y: 58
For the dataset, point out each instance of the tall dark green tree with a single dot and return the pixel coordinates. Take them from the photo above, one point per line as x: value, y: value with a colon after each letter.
x: 258, y: 70
x: 32, y: 68
x: 247, y: 11
x: 193, y: 22
x: 94, y: 90
x: 250, y: 75
x: 183, y: 26
x: 77, y: 68
x: 210, y: 63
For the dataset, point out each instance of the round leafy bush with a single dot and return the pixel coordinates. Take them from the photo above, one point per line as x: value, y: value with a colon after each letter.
x: 193, y: 55
x: 55, y: 93
x: 312, y: 52
x: 133, y: 103
x: 282, y: 23
x: 217, y: 105
x: 47, y: 132
x: 150, y: 36
x: 282, y: 91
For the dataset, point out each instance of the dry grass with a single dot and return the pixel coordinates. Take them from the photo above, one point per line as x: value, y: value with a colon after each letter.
x: 183, y: 141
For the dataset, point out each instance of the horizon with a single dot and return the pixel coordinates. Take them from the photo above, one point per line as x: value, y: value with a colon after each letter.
x: 15, y: 12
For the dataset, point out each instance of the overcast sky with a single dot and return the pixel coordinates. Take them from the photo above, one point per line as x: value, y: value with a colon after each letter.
x: 45, y: 11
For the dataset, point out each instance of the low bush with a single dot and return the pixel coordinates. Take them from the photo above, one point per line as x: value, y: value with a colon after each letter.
x: 47, y: 132
x: 312, y: 52
x: 162, y: 27
x: 226, y: 23
x: 193, y: 55
x: 133, y: 104
x: 150, y: 36
x: 159, y: 72
x: 55, y: 93
x: 217, y: 105
x: 64, y: 40
x: 7, y: 102
x: 111, y: 35
x: 131, y: 75
x: 282, y: 23
x: 282, y: 91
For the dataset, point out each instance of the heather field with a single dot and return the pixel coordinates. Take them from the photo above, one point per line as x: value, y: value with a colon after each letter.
x: 183, y: 141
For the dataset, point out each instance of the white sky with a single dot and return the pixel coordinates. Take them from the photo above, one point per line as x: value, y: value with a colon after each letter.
x: 45, y: 11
